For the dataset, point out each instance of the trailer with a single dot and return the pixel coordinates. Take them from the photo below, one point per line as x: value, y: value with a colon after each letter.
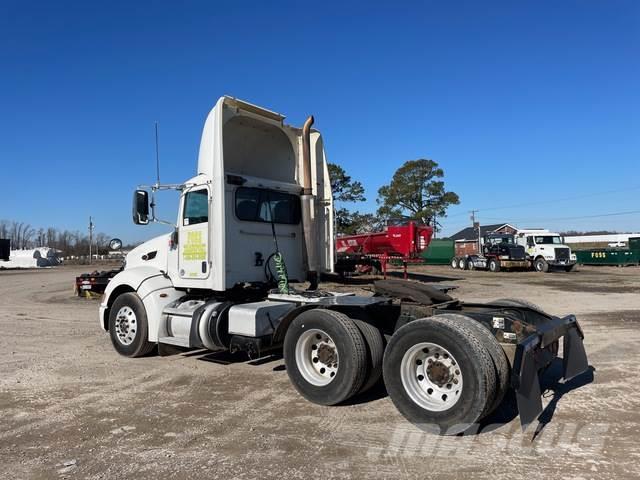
x: 240, y: 273
x: 499, y: 251
x: 401, y: 241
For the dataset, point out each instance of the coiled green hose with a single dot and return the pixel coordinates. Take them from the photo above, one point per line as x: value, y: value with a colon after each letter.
x: 281, y: 272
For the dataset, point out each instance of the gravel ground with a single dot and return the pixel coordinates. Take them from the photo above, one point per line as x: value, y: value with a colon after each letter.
x: 72, y: 408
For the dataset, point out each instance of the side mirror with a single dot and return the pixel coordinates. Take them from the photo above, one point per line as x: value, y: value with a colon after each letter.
x: 115, y: 244
x: 140, y: 207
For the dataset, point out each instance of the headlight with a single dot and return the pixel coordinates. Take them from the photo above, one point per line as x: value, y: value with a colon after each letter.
x: 504, y: 257
x: 573, y: 256
x: 549, y: 257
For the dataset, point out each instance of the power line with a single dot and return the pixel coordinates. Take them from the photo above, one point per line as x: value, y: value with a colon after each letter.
x: 550, y: 201
x: 612, y: 214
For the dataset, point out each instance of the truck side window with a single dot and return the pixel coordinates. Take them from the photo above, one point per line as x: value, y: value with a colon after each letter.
x: 262, y: 205
x: 196, y: 207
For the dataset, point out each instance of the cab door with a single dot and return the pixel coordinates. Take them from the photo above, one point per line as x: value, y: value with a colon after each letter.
x: 193, y: 235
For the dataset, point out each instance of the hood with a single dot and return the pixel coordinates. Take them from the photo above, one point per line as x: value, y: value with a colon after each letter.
x: 152, y: 253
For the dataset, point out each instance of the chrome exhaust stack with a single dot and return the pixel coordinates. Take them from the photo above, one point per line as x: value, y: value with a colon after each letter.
x: 308, y: 207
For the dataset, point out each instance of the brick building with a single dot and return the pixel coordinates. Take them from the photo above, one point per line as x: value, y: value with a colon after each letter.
x: 466, y: 240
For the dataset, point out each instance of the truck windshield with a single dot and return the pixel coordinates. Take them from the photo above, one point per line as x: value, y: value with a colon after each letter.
x: 548, y: 240
x: 262, y: 205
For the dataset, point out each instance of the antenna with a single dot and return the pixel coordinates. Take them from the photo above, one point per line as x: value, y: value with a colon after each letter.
x: 157, y: 158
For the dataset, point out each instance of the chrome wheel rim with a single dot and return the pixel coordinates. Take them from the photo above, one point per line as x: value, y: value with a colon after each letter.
x: 126, y: 325
x: 317, y: 357
x: 431, y: 376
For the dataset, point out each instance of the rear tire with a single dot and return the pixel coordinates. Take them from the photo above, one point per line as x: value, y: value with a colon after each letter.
x: 470, y: 264
x: 128, y: 327
x: 500, y: 362
x: 341, y: 350
x: 447, y: 391
x: 375, y: 353
x: 518, y: 302
x: 454, y: 262
x: 462, y: 263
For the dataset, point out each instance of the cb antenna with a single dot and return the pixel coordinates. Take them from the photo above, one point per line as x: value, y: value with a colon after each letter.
x: 157, y: 158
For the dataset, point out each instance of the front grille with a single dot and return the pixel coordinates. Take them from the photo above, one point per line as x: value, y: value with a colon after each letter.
x: 517, y: 253
x: 562, y: 254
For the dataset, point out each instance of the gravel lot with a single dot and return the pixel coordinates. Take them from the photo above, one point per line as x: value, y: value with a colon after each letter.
x: 71, y: 407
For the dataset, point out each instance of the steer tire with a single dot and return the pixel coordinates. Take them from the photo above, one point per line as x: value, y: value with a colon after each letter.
x: 541, y: 265
x: 139, y: 345
x: 351, y: 350
x: 375, y: 353
x: 403, y: 382
x: 500, y: 362
x: 494, y: 265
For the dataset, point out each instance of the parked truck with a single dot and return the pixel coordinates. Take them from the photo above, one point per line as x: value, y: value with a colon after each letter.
x: 546, y: 250
x: 498, y: 251
x: 261, y: 197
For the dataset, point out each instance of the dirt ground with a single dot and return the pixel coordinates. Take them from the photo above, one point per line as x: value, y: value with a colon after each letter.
x: 72, y: 408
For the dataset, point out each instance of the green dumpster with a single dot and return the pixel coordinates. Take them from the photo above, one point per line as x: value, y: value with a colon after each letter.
x: 611, y: 256
x: 439, y: 252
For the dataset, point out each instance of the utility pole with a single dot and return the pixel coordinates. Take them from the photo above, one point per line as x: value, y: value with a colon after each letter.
x: 476, y: 225
x: 90, y: 237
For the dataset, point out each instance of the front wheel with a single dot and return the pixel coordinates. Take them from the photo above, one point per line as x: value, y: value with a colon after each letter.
x: 541, y: 265
x: 568, y: 268
x: 128, y: 327
x: 494, y: 265
x: 325, y: 356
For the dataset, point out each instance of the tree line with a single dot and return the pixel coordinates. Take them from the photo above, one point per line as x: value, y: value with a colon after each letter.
x: 416, y: 192
x: 23, y: 236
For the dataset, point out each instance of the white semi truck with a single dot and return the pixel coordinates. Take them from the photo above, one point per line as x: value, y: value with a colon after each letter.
x: 253, y: 224
x: 546, y: 250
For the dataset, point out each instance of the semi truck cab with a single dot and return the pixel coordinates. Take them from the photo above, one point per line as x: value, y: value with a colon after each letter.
x: 257, y: 216
x: 546, y: 250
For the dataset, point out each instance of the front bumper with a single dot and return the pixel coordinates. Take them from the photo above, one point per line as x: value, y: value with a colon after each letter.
x: 561, y: 263
x: 102, y: 310
x: 530, y: 359
x: 515, y: 263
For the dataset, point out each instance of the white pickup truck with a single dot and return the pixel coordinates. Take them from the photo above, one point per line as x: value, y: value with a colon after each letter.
x: 546, y: 250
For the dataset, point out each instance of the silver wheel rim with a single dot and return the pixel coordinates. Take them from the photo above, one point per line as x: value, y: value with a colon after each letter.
x: 461, y: 264
x: 431, y: 376
x: 126, y: 325
x: 317, y: 357
x: 454, y: 263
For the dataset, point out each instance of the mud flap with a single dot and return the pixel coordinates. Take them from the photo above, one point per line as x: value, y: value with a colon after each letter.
x: 529, y: 360
x: 574, y: 356
x: 528, y: 395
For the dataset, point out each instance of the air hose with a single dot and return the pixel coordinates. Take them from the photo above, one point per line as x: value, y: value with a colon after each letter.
x: 278, y: 259
x: 281, y: 273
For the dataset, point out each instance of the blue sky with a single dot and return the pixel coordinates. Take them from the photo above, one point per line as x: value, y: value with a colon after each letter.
x: 533, y: 106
